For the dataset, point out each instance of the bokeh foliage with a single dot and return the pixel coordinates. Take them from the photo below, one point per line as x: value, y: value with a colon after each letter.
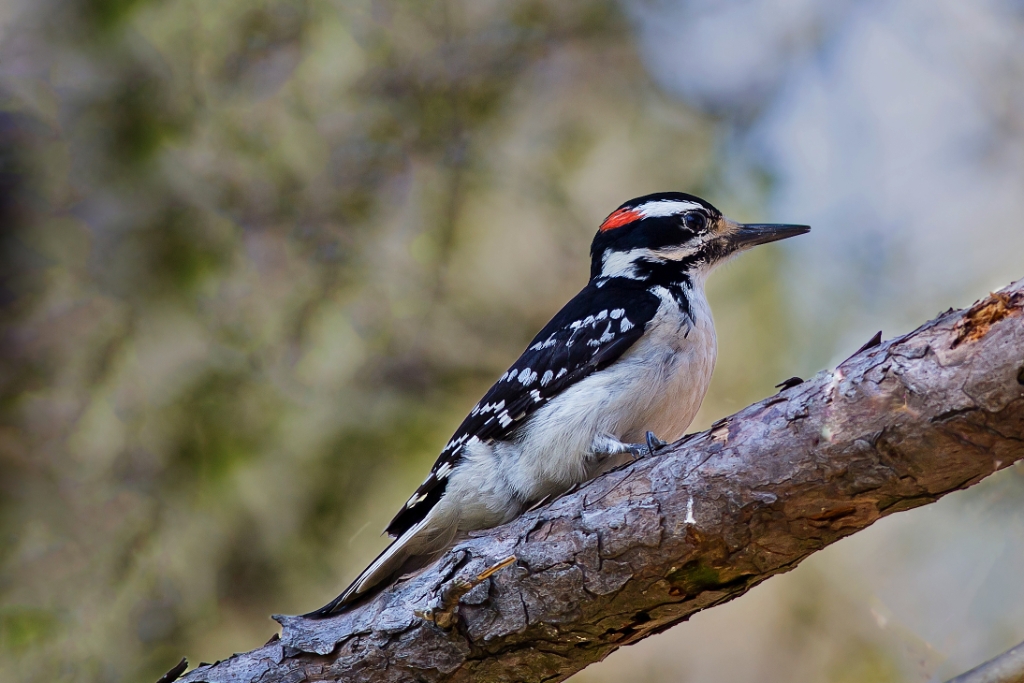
x: 258, y: 260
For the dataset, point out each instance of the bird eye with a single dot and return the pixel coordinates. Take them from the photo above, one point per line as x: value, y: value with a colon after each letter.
x: 695, y: 220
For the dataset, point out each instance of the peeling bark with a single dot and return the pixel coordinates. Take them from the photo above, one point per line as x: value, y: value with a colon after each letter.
x: 642, y: 548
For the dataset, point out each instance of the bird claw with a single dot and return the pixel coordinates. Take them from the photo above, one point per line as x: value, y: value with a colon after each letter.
x: 653, y: 445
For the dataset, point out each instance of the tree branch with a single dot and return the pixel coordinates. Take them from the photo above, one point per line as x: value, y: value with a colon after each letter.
x: 898, y: 425
x: 1005, y: 668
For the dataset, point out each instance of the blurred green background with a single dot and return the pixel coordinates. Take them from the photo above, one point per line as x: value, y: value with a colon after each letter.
x: 259, y: 258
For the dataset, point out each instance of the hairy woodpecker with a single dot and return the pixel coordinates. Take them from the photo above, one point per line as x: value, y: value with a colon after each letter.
x: 628, y: 357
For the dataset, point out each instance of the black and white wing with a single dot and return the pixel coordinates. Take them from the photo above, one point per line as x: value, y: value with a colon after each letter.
x: 590, y: 332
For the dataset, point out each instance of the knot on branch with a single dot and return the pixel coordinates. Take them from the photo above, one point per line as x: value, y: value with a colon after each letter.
x: 983, y: 314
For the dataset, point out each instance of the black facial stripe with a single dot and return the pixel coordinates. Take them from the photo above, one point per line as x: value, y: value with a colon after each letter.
x: 668, y: 233
x: 655, y: 233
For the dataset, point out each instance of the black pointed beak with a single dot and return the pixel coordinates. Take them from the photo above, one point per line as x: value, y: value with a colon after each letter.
x: 751, y: 234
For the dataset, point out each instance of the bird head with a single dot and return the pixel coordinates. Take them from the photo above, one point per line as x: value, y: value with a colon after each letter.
x: 676, y: 236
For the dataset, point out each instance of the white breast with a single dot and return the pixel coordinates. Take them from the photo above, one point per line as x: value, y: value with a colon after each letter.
x: 657, y: 385
x: 668, y: 371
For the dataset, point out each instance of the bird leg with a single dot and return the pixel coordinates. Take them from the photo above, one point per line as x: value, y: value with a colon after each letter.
x: 606, y: 446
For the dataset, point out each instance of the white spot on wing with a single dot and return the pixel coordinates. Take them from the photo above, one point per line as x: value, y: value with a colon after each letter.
x: 546, y: 344
x: 548, y: 376
x: 455, y: 442
x: 560, y: 373
x: 527, y: 377
x: 618, y: 313
x: 625, y: 325
x: 487, y: 408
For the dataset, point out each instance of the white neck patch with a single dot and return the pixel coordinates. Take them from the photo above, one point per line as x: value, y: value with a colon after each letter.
x: 622, y: 263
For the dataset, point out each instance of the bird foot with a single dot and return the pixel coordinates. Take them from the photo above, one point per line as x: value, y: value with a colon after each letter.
x: 652, y: 446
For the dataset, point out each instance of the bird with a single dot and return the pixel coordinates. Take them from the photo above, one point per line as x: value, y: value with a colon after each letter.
x: 625, y: 363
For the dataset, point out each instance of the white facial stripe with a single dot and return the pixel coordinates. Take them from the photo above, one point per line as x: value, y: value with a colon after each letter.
x: 666, y: 208
x: 677, y: 253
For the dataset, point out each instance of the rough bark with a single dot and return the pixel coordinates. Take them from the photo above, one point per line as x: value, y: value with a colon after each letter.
x: 896, y: 426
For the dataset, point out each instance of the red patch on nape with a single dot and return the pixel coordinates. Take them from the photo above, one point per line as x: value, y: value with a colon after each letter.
x: 620, y: 218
